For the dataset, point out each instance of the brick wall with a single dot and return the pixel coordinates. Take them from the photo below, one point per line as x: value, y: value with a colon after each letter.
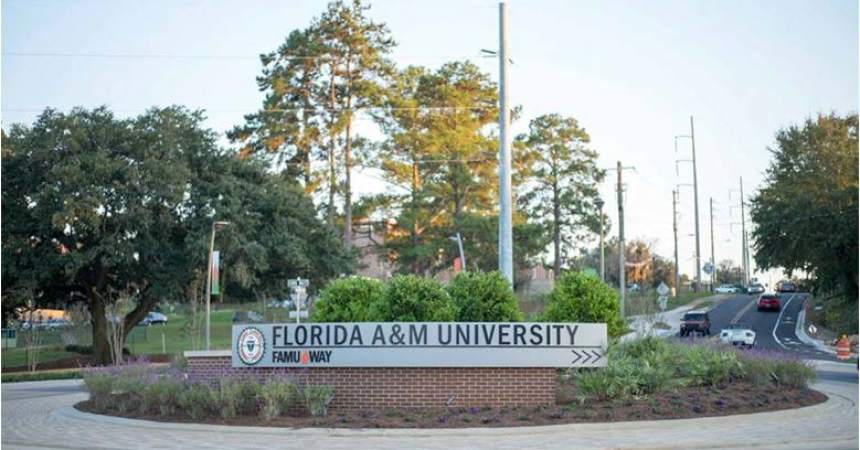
x: 403, y: 387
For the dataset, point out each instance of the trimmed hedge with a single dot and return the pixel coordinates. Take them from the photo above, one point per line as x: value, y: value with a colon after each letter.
x: 484, y: 297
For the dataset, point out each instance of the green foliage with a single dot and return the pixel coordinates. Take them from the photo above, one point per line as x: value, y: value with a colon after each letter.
x: 561, y: 179
x: 227, y: 396
x: 577, y: 297
x: 278, y: 397
x: 408, y: 298
x: 806, y: 214
x: 347, y: 300
x: 317, y: 399
x: 167, y: 392
x: 100, y: 386
x: 650, y: 365
x: 98, y: 205
x: 196, y: 400
x: 484, y: 297
x: 18, y: 377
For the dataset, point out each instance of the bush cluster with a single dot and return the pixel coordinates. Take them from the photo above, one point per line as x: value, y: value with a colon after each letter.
x: 578, y: 297
x: 471, y: 296
x: 650, y: 365
x: 139, y: 387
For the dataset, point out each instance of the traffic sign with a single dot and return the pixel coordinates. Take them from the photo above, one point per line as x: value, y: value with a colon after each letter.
x: 663, y: 301
x: 663, y: 290
x: 297, y: 282
x: 300, y: 314
x: 708, y: 268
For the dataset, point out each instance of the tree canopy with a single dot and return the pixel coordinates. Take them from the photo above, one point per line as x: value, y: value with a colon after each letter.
x: 806, y: 213
x: 98, y: 207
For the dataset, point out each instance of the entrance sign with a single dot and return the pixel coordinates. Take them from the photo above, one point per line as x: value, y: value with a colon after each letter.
x: 420, y: 344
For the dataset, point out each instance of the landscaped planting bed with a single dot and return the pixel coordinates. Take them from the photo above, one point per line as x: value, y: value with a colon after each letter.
x: 644, y: 380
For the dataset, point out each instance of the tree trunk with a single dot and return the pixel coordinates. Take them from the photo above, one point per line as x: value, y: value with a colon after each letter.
x: 332, y: 169
x: 101, y: 346
x: 347, y: 161
x: 416, y: 268
x: 556, y: 231
x: 347, y: 188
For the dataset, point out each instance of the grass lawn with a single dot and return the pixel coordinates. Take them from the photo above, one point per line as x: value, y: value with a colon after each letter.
x: 14, y: 357
x: 171, y: 338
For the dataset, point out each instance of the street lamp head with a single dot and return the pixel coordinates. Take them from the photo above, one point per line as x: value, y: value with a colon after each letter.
x: 599, y: 203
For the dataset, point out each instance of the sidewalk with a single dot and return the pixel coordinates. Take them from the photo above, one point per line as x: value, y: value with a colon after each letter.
x: 800, y: 331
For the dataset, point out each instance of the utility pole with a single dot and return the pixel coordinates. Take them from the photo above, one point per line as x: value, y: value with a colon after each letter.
x: 696, y: 198
x: 744, y: 236
x: 713, y: 267
x: 506, y: 260
x: 621, y: 246
x: 675, y: 231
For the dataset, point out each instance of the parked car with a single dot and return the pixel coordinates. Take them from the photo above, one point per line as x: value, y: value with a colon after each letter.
x: 696, y: 322
x: 738, y: 334
x: 769, y: 302
x: 755, y: 289
x: 154, y: 318
x: 786, y: 286
x: 56, y: 323
x: 633, y: 287
x: 285, y: 303
x: 726, y: 289
x: 247, y: 317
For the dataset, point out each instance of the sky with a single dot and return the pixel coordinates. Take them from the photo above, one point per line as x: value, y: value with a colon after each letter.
x: 632, y: 73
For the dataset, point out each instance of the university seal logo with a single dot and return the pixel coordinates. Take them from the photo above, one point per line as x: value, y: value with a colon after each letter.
x: 251, y: 346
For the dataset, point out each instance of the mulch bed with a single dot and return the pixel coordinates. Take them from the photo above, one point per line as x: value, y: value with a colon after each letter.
x: 74, y: 362
x: 737, y: 398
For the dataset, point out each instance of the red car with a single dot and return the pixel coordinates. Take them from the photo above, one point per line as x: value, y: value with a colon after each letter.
x: 769, y: 302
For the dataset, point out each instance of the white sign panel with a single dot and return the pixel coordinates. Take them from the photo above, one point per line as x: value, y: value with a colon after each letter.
x: 420, y: 344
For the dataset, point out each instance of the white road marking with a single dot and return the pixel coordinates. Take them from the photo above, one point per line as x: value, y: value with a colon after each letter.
x: 742, y: 312
x: 778, y: 319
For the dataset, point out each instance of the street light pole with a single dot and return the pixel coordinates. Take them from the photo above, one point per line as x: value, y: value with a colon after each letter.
x: 713, y: 267
x: 506, y: 263
x: 621, y: 247
x: 459, y: 240
x: 675, y: 232
x: 215, y: 226
x: 602, y: 263
x: 745, y: 250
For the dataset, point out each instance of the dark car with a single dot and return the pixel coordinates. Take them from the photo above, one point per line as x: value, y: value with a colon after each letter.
x: 696, y: 322
x: 786, y: 286
x: 755, y: 289
x: 768, y: 302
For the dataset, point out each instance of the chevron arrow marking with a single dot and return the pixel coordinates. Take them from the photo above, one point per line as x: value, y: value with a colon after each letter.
x: 578, y: 356
x: 598, y: 356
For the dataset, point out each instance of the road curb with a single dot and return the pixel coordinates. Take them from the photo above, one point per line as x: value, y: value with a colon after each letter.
x: 800, y: 331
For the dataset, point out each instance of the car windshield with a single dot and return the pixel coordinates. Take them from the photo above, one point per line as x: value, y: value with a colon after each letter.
x: 694, y: 317
x: 738, y: 326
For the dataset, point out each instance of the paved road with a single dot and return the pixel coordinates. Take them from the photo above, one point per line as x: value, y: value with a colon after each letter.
x: 39, y: 416
x: 774, y: 330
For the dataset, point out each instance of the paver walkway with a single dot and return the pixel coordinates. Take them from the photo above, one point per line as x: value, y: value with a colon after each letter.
x: 39, y: 415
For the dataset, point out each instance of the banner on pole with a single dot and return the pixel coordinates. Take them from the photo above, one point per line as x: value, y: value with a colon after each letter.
x: 216, y: 261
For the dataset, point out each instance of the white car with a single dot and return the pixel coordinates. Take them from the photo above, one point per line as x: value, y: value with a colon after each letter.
x: 738, y: 334
x: 726, y: 289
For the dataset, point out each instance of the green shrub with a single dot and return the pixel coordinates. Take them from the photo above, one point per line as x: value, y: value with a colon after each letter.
x: 794, y: 374
x: 408, y: 298
x: 196, y: 400
x: 577, y: 297
x: 278, y: 397
x: 770, y: 369
x: 132, y: 386
x: 347, y: 300
x: 249, y: 393
x: 167, y: 392
x: 227, y: 397
x: 484, y: 297
x: 100, y: 386
x: 317, y: 399
x: 703, y: 365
